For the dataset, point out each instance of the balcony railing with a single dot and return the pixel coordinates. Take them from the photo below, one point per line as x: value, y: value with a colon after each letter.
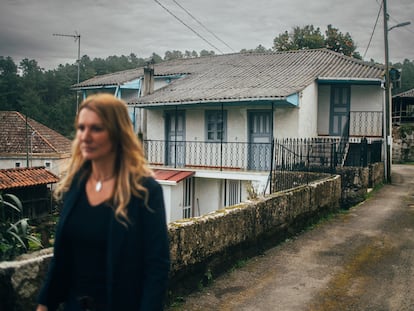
x: 403, y: 116
x: 366, y: 123
x: 209, y: 155
x: 284, y: 154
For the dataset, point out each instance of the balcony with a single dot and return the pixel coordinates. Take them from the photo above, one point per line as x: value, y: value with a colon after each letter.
x: 366, y: 123
x: 209, y: 155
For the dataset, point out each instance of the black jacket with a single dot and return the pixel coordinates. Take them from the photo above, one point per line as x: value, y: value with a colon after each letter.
x: 138, y: 259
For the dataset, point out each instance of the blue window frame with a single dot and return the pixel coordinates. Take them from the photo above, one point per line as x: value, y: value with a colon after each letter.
x: 216, y: 125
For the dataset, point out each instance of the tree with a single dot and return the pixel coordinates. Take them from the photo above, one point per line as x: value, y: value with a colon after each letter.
x: 190, y: 54
x: 170, y: 55
x: 339, y: 42
x: 300, y: 38
x: 9, y: 83
x: 259, y: 49
x: 310, y: 37
x: 206, y: 53
x: 407, y: 76
x: 156, y: 58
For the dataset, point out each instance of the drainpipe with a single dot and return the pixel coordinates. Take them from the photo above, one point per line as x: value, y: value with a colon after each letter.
x: 221, y: 138
x: 175, y: 136
x: 272, y: 146
x: 27, y: 143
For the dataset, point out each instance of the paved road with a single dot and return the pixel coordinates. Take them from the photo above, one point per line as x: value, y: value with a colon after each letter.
x: 359, y: 260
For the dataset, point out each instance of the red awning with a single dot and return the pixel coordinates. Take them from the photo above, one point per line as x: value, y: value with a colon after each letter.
x: 172, y: 175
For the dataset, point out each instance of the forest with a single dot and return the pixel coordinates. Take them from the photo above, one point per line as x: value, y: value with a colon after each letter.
x: 46, y: 95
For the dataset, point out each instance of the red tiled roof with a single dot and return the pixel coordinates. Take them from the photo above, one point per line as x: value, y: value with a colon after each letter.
x: 26, y: 177
x: 172, y: 175
x: 17, y: 135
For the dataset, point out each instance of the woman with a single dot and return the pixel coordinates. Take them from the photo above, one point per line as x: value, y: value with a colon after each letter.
x: 111, y: 244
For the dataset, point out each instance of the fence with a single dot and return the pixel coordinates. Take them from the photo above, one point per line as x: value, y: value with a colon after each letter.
x: 290, y: 162
x: 299, y: 161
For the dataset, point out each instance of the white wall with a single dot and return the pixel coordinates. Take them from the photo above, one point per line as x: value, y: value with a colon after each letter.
x: 286, y: 122
x: 173, y: 200
x: 56, y: 165
x: 323, y: 109
x: 308, y: 112
x: 155, y: 125
x: 366, y: 98
x: 207, y: 195
x: 237, y: 124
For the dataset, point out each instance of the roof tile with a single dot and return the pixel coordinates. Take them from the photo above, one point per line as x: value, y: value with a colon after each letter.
x: 25, y: 177
x: 16, y: 136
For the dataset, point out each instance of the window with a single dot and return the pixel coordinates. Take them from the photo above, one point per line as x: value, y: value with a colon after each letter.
x: 233, y: 192
x: 216, y: 125
x: 340, y: 105
x: 17, y: 164
x: 188, y: 198
x: 48, y: 165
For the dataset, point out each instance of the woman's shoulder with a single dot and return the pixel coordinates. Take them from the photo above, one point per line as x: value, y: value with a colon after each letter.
x: 149, y: 182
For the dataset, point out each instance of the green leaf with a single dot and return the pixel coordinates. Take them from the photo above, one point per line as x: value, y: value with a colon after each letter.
x: 15, y: 199
x: 12, y: 206
x: 16, y: 236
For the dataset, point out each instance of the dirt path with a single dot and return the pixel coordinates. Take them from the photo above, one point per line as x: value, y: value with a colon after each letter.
x: 359, y: 260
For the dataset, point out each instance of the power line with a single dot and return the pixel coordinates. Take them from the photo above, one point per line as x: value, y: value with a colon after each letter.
x: 373, y: 30
x: 182, y: 22
x: 202, y: 25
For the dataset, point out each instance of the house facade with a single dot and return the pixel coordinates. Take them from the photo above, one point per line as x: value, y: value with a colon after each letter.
x: 218, y: 117
x: 25, y: 142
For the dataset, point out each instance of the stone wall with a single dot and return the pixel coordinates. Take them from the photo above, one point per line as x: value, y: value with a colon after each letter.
x: 203, y: 247
x: 403, y: 144
x: 356, y: 181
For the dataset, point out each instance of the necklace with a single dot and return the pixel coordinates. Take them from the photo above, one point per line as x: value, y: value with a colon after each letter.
x: 99, y: 182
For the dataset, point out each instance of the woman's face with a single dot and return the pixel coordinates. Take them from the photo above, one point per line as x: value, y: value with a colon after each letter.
x: 94, y: 141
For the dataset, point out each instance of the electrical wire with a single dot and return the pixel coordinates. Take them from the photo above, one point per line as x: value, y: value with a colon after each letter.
x: 182, y: 22
x: 373, y: 30
x: 201, y: 24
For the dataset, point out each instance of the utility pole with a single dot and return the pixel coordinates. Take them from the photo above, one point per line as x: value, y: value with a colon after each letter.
x: 77, y: 37
x: 387, y: 86
x: 388, y: 99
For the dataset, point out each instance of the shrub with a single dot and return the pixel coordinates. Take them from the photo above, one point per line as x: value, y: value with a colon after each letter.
x: 14, y: 235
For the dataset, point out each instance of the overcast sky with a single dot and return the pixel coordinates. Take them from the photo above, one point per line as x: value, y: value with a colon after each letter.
x: 142, y: 27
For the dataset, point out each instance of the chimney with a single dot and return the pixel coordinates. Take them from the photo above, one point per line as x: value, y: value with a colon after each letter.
x: 148, y: 87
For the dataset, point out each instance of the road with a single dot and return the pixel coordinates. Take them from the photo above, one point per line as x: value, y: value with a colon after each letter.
x: 362, y: 259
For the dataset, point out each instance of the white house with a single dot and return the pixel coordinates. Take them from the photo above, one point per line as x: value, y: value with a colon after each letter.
x: 25, y: 142
x: 214, y: 119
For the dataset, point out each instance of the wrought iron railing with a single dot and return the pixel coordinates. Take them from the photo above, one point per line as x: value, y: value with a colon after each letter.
x: 287, y: 154
x: 209, y: 155
x: 299, y: 161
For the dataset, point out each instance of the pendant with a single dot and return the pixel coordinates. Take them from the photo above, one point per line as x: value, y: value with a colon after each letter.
x: 98, y: 186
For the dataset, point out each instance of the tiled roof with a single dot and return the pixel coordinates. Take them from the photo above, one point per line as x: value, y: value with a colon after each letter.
x: 246, y: 76
x: 16, y: 136
x: 172, y: 175
x: 409, y: 93
x: 25, y: 177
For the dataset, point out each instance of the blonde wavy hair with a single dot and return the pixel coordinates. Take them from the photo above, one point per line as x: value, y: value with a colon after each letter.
x: 130, y: 164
